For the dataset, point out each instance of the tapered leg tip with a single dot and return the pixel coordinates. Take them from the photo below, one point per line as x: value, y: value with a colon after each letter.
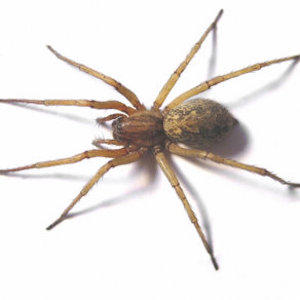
x: 52, y: 50
x: 51, y: 226
x: 215, y: 264
x: 293, y: 185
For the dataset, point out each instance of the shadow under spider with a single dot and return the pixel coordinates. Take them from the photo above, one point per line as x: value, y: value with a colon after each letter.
x: 48, y: 111
x: 271, y: 86
x: 59, y: 176
x: 146, y: 165
x: 236, y: 177
x: 200, y: 204
x: 213, y: 57
x: 236, y: 142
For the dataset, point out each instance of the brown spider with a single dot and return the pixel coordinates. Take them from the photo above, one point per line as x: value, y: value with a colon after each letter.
x: 196, y: 123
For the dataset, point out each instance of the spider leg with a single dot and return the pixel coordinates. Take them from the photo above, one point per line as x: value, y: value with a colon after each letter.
x: 125, y: 159
x: 225, y: 161
x: 70, y: 160
x: 102, y: 121
x: 216, y: 80
x: 170, y: 174
x: 128, y: 94
x: 80, y: 102
x: 109, y: 118
x: 98, y: 142
x: 176, y: 74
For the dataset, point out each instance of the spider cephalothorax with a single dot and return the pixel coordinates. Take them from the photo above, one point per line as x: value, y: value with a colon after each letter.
x: 143, y: 128
x: 197, y: 123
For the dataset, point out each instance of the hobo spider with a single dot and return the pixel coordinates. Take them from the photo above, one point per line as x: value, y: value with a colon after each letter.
x: 196, y: 123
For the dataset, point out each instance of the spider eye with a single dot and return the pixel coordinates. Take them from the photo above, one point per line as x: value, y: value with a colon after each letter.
x: 117, y: 123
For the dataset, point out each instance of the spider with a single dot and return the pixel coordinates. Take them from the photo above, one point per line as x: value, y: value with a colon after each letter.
x: 196, y: 123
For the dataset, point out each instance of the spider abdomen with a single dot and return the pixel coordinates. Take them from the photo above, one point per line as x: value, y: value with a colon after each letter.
x: 142, y: 128
x: 198, y: 123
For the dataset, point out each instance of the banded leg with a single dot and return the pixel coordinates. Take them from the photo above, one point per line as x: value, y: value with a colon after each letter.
x: 126, y: 159
x: 216, y: 80
x: 164, y: 92
x: 80, y: 102
x: 128, y: 94
x: 225, y: 161
x: 170, y: 174
x: 70, y: 160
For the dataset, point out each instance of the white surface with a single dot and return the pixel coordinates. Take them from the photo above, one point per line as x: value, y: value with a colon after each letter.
x: 139, y: 243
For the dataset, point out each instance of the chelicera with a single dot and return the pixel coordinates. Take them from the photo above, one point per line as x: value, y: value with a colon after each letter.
x: 196, y: 123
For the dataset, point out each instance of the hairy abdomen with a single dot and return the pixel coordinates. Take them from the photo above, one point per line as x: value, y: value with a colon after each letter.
x: 198, y: 123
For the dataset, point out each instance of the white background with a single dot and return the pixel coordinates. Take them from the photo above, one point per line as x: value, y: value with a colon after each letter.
x: 134, y: 240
